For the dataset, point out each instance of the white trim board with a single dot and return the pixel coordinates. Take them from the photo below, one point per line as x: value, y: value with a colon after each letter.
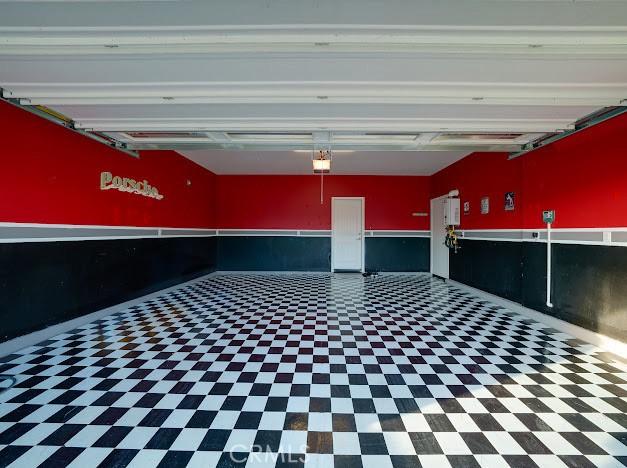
x: 320, y: 232
x: 34, y: 232
x: 38, y: 232
x: 398, y: 233
x: 279, y: 273
x: 94, y: 226
x: 11, y: 233
x: 38, y: 336
x: 274, y: 232
x: 604, y: 342
x: 606, y: 236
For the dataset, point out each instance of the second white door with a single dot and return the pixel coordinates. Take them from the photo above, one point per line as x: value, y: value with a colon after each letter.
x: 347, y: 224
x: 439, y: 251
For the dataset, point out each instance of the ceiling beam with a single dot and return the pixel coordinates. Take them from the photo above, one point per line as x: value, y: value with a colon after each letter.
x: 327, y: 139
x: 321, y: 124
x: 331, y: 88
x: 253, y: 146
x: 353, y: 92
x: 537, y: 48
x: 574, y: 100
x: 198, y: 14
x: 557, y: 27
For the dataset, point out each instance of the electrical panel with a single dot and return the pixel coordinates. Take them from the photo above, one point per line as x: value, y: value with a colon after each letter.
x: 451, y: 212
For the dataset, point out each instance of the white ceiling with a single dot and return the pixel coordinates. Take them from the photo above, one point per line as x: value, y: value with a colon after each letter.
x: 319, y: 67
x: 358, y: 162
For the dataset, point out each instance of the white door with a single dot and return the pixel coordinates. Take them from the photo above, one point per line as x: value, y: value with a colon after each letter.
x: 439, y: 251
x: 347, y: 239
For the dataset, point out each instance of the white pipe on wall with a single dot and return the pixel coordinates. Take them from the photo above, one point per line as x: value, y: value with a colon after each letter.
x: 548, y: 265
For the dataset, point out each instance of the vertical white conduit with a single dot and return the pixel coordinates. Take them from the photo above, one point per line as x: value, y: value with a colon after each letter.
x: 548, y: 265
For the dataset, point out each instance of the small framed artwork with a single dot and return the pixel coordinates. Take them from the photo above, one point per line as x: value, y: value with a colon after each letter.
x: 485, y: 205
x: 509, y: 201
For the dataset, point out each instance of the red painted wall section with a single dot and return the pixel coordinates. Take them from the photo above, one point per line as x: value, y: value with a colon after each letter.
x: 52, y: 175
x: 483, y: 175
x: 293, y: 202
x: 582, y: 177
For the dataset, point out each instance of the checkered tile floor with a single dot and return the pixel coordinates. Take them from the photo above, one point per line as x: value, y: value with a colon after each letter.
x: 314, y: 370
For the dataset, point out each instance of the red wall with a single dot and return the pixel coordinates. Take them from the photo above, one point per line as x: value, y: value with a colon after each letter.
x: 293, y: 202
x: 483, y: 175
x: 582, y: 177
x: 52, y: 175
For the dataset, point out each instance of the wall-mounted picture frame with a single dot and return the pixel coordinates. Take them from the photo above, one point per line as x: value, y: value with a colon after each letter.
x: 485, y: 205
x: 510, y: 203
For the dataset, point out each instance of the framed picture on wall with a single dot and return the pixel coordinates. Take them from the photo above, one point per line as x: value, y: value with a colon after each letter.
x: 509, y: 201
x: 485, y: 205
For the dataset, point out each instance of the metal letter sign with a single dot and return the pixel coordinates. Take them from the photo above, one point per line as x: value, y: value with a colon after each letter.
x: 124, y: 184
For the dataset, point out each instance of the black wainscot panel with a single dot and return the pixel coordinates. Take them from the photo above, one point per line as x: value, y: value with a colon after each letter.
x: 397, y: 254
x: 492, y: 266
x: 45, y: 283
x: 274, y: 253
x: 588, y: 287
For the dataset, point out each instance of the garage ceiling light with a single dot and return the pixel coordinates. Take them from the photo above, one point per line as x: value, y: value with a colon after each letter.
x: 322, y: 163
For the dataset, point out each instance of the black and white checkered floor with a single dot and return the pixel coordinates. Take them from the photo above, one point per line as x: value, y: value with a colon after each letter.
x: 314, y: 370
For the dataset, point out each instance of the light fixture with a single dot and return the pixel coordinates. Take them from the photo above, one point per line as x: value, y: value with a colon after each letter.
x: 322, y: 164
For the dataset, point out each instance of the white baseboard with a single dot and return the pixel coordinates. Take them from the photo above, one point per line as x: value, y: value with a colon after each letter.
x: 270, y: 272
x: 300, y: 272
x: 604, y: 342
x: 38, y: 336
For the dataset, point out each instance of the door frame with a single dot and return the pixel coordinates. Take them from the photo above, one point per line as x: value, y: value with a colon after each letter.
x: 363, y: 232
x: 433, y: 238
